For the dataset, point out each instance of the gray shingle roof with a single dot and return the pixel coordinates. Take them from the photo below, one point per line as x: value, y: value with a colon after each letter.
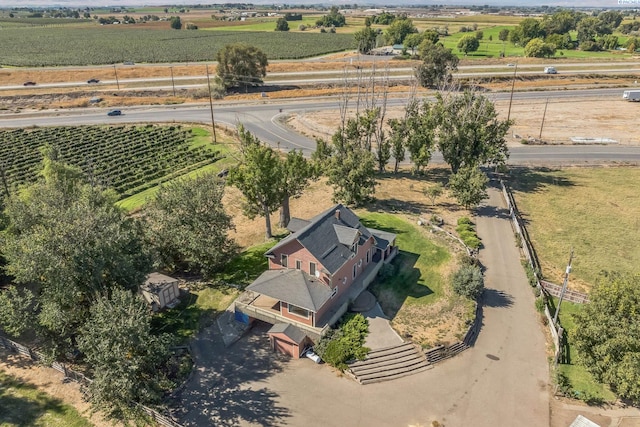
x: 296, y: 224
x: 325, y: 234
x: 294, y: 287
x: 294, y: 333
x: 383, y: 238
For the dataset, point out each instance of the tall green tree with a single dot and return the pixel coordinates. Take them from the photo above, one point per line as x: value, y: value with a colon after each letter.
x: 351, y: 171
x: 607, y: 338
x: 175, y: 23
x: 126, y: 358
x: 469, y: 186
x: 187, y: 226
x: 438, y: 64
x: 469, y: 132
x: 259, y: 178
x: 69, y: 240
x: 333, y: 19
x: 241, y: 65
x: 365, y: 39
x: 398, y: 30
x: 420, y: 129
x: 397, y: 140
x: 296, y: 173
x: 282, y: 25
x: 468, y: 43
x: 537, y: 48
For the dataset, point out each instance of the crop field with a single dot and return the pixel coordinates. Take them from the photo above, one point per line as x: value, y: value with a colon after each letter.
x: 128, y: 159
x: 41, y: 46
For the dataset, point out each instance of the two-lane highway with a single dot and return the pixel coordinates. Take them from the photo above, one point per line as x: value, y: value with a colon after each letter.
x: 261, y: 118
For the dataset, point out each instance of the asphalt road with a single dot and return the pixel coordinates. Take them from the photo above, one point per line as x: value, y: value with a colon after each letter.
x: 261, y: 118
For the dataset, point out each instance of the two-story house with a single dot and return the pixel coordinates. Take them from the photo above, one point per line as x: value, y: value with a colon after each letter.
x: 314, y: 273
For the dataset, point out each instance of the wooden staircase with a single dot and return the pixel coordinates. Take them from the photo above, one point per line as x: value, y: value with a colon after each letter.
x: 390, y: 363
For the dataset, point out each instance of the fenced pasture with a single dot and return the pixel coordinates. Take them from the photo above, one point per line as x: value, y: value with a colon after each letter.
x: 111, y: 44
x: 592, y: 210
x: 128, y: 159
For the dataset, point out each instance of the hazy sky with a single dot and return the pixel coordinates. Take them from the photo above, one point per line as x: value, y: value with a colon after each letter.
x: 102, y: 3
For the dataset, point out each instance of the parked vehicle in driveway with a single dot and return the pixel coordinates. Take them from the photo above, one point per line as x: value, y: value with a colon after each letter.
x: 114, y: 113
x: 93, y: 81
x: 29, y: 84
x: 308, y: 353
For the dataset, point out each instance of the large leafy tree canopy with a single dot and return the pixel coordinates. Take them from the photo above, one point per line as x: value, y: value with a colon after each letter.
x: 69, y: 240
x: 469, y: 131
x: 399, y: 29
x: 608, y: 334
x: 241, y: 65
x: 187, y: 226
x: 259, y: 177
x: 438, y: 62
x: 126, y: 357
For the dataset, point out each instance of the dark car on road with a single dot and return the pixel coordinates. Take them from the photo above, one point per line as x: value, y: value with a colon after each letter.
x: 93, y: 81
x: 114, y: 113
x: 29, y: 84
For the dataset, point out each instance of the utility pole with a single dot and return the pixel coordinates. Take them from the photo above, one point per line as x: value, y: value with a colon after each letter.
x: 513, y: 83
x: 543, y: 116
x: 116, y: 73
x: 564, y: 288
x: 213, y: 123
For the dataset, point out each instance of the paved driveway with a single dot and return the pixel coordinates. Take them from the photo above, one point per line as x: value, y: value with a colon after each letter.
x: 501, y: 381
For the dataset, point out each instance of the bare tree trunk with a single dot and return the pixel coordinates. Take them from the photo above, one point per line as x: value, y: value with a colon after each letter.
x: 285, y: 213
x: 268, y: 234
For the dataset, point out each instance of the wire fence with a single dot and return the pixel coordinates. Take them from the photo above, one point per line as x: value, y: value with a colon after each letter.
x: 79, y: 377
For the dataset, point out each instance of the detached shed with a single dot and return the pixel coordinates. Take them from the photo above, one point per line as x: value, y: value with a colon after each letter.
x: 288, y: 339
x: 160, y: 291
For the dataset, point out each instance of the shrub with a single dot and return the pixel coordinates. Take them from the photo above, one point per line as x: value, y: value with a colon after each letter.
x: 468, y: 281
x: 472, y: 241
x: 340, y: 345
x: 466, y: 259
x: 464, y: 227
x: 464, y: 220
x: 540, y: 303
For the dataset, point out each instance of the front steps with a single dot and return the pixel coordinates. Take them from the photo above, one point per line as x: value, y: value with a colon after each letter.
x: 390, y: 363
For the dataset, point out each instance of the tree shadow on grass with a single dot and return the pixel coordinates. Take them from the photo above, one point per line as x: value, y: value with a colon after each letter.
x: 221, y: 392
x: 529, y: 180
x: 392, y: 292
x: 19, y: 410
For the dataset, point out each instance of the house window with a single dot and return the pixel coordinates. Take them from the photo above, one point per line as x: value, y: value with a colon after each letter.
x: 354, y: 248
x: 368, y: 250
x: 284, y: 260
x: 355, y: 269
x: 312, y: 268
x: 298, y: 311
x: 334, y: 291
x: 360, y: 263
x: 298, y: 264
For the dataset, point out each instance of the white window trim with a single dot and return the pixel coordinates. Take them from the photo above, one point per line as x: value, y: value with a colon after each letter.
x: 315, y: 268
x: 298, y: 264
x: 284, y: 260
x: 296, y: 314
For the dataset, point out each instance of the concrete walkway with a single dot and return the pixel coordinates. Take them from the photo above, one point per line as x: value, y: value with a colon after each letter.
x: 381, y: 334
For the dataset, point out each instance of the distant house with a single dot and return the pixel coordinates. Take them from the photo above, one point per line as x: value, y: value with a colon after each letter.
x: 160, y: 291
x: 314, y: 273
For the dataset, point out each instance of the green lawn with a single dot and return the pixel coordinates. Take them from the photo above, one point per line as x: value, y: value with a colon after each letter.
x: 21, y: 404
x: 418, y: 279
x: 592, y: 210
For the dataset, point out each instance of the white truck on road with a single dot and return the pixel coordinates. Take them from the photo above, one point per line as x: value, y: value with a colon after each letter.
x: 631, y: 95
